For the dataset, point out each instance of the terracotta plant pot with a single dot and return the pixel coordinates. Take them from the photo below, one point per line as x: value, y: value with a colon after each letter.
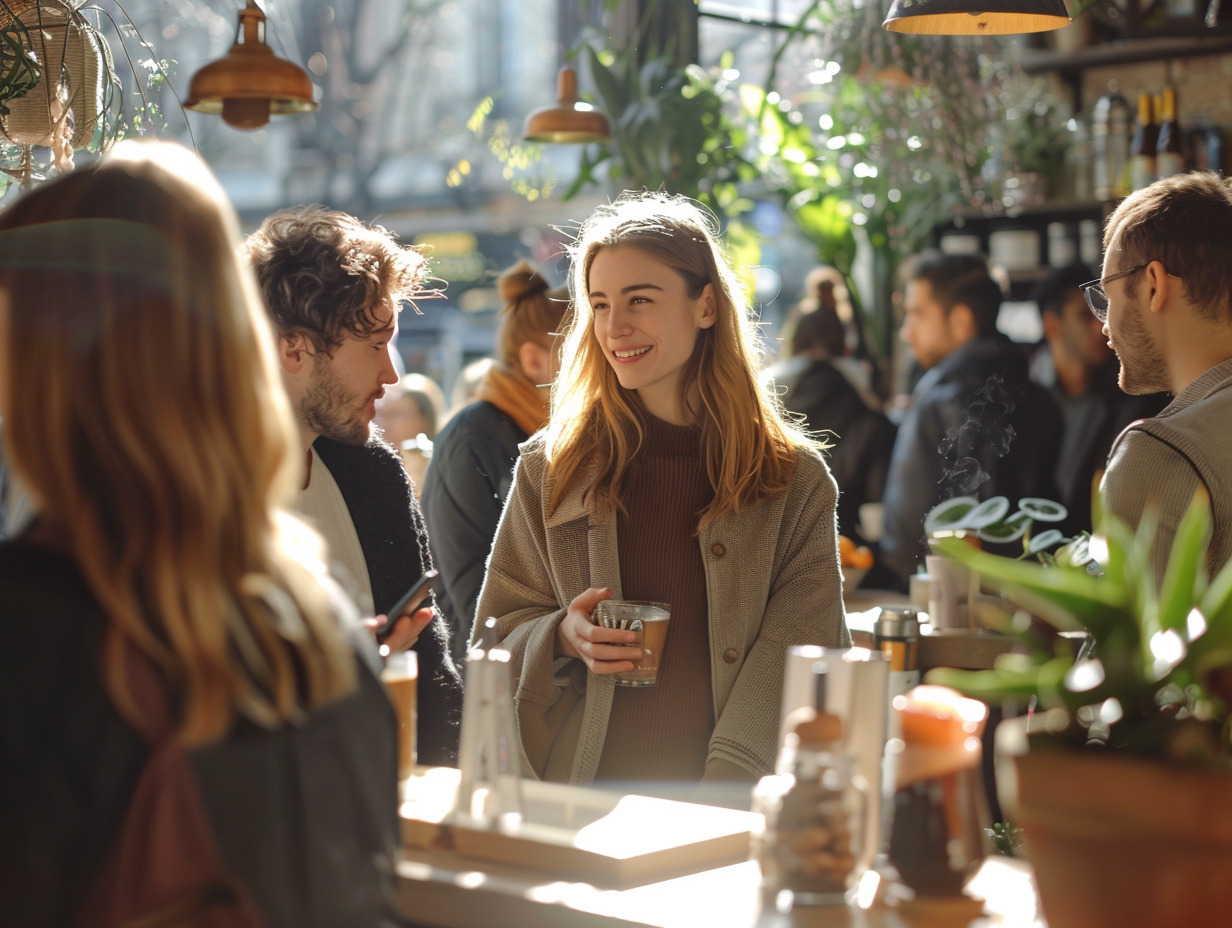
x: 1119, y: 841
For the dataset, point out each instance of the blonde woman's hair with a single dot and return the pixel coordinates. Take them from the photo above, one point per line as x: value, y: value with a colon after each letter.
x: 749, y: 447
x: 532, y: 312
x: 154, y: 434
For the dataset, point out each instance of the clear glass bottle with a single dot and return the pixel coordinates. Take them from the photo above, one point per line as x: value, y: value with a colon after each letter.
x: 1080, y: 163
x: 1110, y: 131
x: 811, y: 847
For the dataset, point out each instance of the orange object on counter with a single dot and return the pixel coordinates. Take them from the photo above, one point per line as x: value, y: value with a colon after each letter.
x: 852, y: 555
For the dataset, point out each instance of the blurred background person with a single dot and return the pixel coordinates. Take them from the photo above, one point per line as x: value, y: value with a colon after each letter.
x: 466, y: 386
x: 473, y: 457
x: 408, y: 416
x: 976, y: 424
x: 159, y: 452
x: 830, y: 390
x: 1079, y: 371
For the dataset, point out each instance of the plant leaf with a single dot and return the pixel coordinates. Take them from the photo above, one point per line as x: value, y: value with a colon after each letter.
x: 987, y: 513
x: 949, y: 515
x: 1042, y: 510
x: 611, y: 89
x: 1216, y: 605
x: 988, y: 685
x: 1011, y: 529
x: 1067, y: 598
x: 1045, y: 540
x: 1185, y: 577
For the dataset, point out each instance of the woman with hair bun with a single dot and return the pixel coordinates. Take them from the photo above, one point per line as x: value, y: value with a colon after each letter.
x: 473, y: 456
x: 665, y: 474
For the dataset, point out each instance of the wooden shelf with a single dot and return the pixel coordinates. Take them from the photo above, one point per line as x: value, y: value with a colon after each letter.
x: 1128, y: 51
x: 1040, y: 214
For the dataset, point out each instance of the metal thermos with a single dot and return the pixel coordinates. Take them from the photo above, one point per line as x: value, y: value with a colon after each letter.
x: 896, y: 635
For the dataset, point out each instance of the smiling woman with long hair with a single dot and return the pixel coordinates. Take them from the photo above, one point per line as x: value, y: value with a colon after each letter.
x: 664, y: 474
x: 145, y: 416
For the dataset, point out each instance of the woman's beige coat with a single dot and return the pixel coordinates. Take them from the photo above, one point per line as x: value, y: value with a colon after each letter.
x: 772, y: 580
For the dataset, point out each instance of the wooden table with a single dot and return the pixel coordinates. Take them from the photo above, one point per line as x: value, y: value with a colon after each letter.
x: 962, y: 648
x: 445, y: 889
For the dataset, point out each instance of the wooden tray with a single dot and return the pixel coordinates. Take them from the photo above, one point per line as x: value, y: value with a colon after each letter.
x: 584, y: 834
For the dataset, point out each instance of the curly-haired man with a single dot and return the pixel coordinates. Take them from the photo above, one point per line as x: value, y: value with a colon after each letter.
x: 334, y: 287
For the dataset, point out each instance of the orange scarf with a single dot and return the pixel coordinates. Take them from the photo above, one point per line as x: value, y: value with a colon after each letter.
x: 513, y: 394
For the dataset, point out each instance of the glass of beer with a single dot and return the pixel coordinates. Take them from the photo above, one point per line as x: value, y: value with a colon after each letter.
x: 649, y: 621
x: 401, y: 676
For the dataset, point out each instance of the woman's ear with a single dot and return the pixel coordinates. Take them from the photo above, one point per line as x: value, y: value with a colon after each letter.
x: 708, y: 311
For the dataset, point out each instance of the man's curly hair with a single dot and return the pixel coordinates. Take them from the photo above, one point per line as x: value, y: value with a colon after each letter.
x: 324, y: 274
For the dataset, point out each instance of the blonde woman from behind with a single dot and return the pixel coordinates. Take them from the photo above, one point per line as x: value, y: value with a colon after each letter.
x: 145, y: 415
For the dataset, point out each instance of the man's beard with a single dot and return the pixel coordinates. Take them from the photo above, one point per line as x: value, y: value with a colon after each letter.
x: 1142, y: 367
x: 327, y: 409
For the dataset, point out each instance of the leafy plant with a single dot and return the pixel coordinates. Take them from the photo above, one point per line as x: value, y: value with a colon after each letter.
x: 671, y: 131
x: 20, y: 70
x: 1033, y: 137
x: 1007, y: 839
x: 1158, y: 680
x: 992, y: 521
x: 147, y: 117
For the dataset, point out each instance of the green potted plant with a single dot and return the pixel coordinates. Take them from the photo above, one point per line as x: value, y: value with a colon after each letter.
x: 992, y: 521
x: 1127, y: 803
x: 992, y: 524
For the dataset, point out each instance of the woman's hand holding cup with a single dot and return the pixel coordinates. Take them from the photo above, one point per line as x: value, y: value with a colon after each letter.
x: 603, y: 650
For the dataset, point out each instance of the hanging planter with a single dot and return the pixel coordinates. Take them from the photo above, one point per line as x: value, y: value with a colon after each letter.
x: 19, y: 69
x: 61, y: 112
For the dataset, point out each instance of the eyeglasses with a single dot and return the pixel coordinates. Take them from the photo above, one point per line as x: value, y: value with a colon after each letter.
x: 1097, y: 299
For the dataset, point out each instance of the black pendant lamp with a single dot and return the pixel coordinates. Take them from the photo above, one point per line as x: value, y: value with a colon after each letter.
x: 250, y: 83
x: 569, y: 120
x: 976, y: 17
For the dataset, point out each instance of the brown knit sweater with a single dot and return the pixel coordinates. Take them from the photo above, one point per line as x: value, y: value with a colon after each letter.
x: 662, y: 732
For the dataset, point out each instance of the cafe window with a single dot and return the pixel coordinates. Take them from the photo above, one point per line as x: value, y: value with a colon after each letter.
x: 752, y: 31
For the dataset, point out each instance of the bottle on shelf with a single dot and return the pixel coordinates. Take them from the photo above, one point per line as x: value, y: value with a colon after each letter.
x: 1170, y: 148
x: 1142, y: 147
x: 1110, y: 129
x: 1078, y: 181
x: 1204, y: 144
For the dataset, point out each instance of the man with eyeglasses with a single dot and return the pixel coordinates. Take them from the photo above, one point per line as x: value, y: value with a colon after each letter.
x: 1079, y: 371
x: 1165, y: 300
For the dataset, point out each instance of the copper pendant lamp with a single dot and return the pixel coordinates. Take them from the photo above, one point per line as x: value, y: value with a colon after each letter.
x: 250, y: 83
x: 976, y: 17
x: 569, y: 120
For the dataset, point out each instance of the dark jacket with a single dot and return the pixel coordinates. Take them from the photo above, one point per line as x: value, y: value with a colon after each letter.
x: 381, y: 500
x: 464, y: 492
x: 862, y: 438
x: 977, y: 426
x: 1092, y: 422
x: 305, y: 816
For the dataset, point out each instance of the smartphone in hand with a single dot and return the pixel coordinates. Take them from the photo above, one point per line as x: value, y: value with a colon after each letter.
x: 411, y: 600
